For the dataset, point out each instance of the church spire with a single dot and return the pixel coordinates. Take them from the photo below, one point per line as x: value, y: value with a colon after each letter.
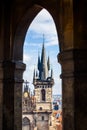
x: 36, y: 74
x: 43, y: 39
x: 51, y: 73
x: 44, y: 68
x: 26, y: 87
x: 48, y: 63
x: 39, y: 62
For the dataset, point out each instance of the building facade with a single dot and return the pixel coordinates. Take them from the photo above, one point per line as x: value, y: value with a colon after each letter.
x: 38, y: 107
x: 28, y: 105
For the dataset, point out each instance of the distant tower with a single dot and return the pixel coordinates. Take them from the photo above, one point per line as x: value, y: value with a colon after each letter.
x: 43, y: 83
x: 27, y: 99
x: 28, y: 105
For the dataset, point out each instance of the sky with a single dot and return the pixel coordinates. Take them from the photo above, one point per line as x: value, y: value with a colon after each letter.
x: 42, y: 24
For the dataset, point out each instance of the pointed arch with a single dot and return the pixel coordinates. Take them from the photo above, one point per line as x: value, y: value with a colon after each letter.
x: 25, y: 121
x: 20, y: 34
x: 21, y: 30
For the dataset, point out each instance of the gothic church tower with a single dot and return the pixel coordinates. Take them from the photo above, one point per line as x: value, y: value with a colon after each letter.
x: 43, y: 82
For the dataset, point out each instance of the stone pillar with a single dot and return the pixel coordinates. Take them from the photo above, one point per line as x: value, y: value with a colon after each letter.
x: 12, y: 95
x: 1, y: 94
x: 80, y: 89
x: 74, y: 89
x: 67, y: 64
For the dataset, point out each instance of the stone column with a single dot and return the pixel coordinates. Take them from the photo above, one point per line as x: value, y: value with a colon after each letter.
x: 80, y: 89
x: 67, y: 64
x: 74, y: 89
x: 66, y: 60
x: 1, y: 94
x: 12, y: 95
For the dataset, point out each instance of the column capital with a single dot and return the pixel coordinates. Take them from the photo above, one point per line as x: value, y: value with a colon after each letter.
x: 73, y: 63
x: 13, y: 71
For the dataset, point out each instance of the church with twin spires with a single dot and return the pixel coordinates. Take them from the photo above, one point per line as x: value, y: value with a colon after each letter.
x: 38, y: 107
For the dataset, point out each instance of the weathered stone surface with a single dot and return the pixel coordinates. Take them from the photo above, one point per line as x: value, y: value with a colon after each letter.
x: 70, y: 17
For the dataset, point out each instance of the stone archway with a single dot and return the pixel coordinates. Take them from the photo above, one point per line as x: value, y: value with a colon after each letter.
x: 19, y: 39
x: 63, y: 32
x: 70, y: 19
x: 22, y: 30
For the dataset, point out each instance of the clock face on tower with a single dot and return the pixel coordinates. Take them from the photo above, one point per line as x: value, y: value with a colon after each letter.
x: 25, y: 94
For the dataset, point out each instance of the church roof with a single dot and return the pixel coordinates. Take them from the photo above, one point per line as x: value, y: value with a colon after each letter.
x: 44, y: 68
x: 43, y: 65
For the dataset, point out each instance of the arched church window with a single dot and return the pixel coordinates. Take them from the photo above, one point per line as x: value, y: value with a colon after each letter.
x: 43, y: 94
x: 42, y: 118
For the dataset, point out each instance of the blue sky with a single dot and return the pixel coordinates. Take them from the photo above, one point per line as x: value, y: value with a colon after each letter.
x: 42, y: 24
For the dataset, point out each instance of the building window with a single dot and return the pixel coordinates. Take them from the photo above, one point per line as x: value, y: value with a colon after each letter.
x: 25, y: 102
x: 42, y: 118
x: 40, y: 108
x: 43, y: 94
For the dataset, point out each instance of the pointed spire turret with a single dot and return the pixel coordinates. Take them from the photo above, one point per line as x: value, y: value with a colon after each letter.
x: 48, y: 63
x: 44, y: 68
x: 37, y: 74
x: 26, y: 87
x: 51, y: 73
x: 39, y: 62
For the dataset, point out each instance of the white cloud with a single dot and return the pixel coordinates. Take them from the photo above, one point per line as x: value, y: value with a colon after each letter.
x: 36, y: 45
x: 26, y: 58
x: 43, y: 17
x: 52, y: 43
x: 42, y: 24
x: 49, y: 41
x: 57, y: 89
x: 43, y: 28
